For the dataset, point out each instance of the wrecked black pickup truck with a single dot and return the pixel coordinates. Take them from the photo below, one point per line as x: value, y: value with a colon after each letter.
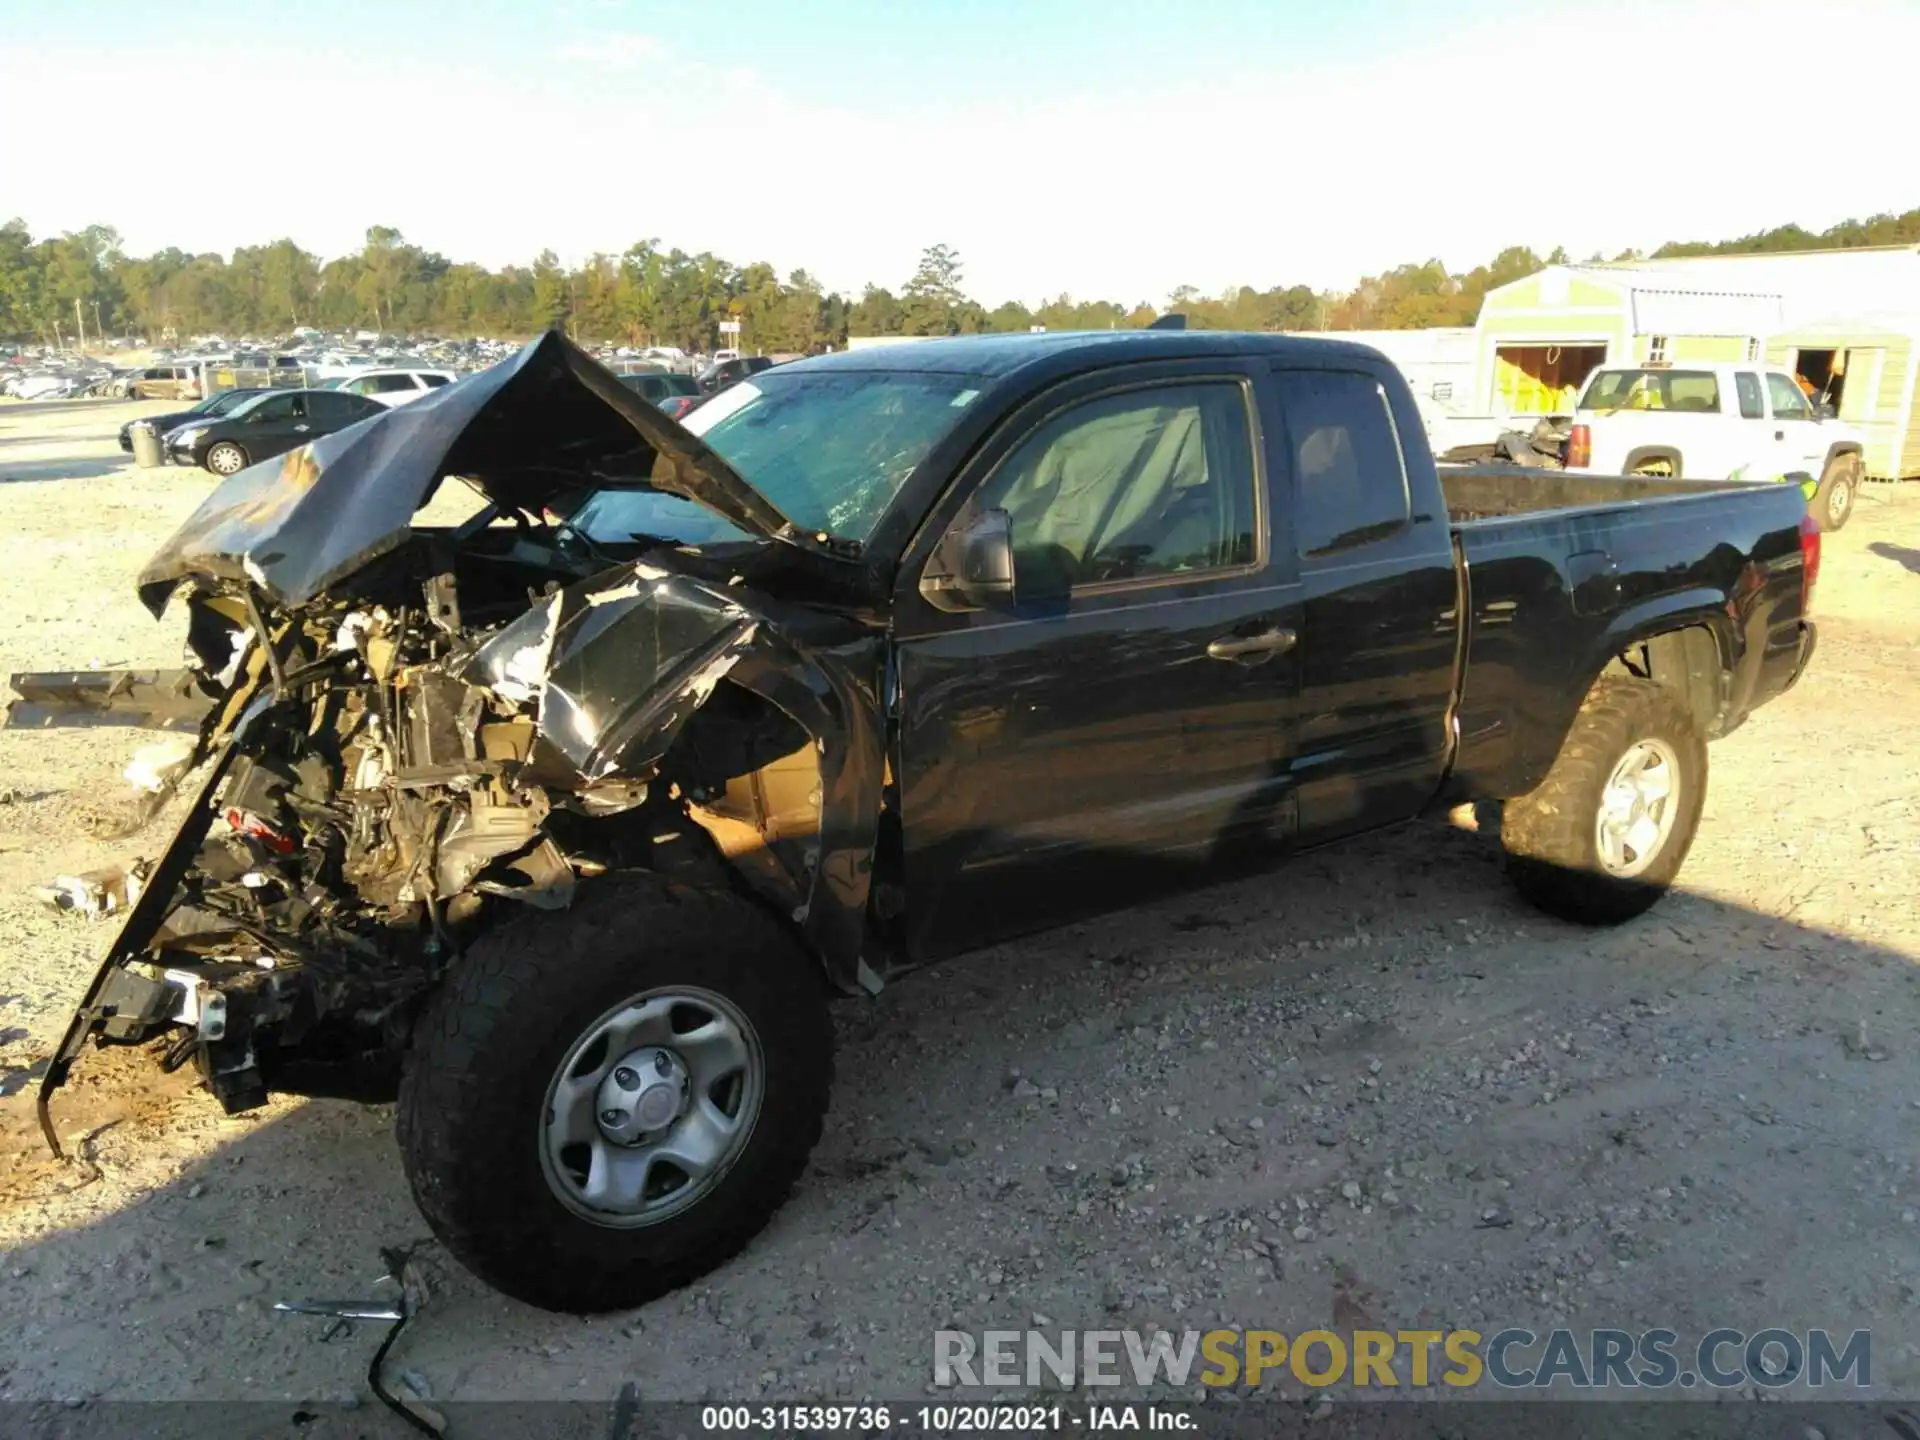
x: 563, y: 822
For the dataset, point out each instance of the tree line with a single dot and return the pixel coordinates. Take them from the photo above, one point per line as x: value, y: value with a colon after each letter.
x: 52, y: 286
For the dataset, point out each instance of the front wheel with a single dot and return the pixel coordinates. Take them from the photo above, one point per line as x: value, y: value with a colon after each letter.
x: 226, y: 458
x: 1604, y: 835
x: 1832, y: 503
x: 605, y: 1103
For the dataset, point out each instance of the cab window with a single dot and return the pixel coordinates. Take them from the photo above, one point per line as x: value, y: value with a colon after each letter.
x: 1140, y: 484
x: 1788, y: 402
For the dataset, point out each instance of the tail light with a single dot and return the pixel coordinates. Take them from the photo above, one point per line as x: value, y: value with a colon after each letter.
x: 1579, y: 447
x: 1809, y: 561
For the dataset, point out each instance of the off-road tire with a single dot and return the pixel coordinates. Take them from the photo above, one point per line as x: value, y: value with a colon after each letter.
x: 1834, y: 498
x: 1549, y: 834
x: 474, y: 1087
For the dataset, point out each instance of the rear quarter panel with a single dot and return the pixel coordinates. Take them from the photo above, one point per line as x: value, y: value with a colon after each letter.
x: 1555, y: 597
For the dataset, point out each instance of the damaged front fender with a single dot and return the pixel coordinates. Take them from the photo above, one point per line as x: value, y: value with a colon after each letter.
x: 579, y: 660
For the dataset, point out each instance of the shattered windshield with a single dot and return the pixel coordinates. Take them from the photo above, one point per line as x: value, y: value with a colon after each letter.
x: 830, y: 449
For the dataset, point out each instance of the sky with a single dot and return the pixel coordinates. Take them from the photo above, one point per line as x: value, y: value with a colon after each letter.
x: 1107, y: 149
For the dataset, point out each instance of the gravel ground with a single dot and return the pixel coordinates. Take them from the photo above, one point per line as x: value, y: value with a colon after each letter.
x: 1369, y: 1087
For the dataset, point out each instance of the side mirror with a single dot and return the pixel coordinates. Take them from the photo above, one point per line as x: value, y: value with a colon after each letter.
x: 1824, y: 412
x: 972, y: 568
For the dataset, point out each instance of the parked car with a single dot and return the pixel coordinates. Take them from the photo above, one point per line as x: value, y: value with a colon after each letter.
x: 212, y: 407
x: 722, y: 373
x: 392, y: 387
x: 1712, y: 421
x: 892, y: 655
x: 659, y: 386
x: 264, y: 426
x: 48, y: 385
x: 165, y: 382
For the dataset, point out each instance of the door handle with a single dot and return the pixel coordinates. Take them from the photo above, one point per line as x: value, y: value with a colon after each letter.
x: 1257, y: 647
x: 1779, y: 434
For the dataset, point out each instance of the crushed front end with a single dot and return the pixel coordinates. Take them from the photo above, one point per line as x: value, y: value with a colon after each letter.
x: 410, y: 740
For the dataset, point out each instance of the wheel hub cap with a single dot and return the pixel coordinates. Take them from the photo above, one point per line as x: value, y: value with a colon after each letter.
x: 651, y: 1106
x: 646, y: 1090
x: 1638, y: 808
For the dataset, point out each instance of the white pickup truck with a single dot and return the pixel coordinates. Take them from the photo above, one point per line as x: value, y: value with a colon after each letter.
x: 1712, y: 422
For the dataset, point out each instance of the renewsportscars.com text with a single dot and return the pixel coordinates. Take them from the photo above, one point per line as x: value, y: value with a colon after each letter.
x: 1512, y: 1358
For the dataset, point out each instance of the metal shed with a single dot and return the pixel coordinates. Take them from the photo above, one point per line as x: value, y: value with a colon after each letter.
x: 1539, y: 338
x: 1869, y: 369
x: 1849, y: 320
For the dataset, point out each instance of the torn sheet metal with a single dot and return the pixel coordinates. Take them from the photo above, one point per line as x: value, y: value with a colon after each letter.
x: 62, y: 699
x: 532, y: 433
x: 618, y: 665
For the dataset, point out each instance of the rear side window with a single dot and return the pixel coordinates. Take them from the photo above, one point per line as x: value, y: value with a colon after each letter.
x: 1350, y: 483
x: 390, y: 384
x: 1751, y: 405
x: 433, y: 382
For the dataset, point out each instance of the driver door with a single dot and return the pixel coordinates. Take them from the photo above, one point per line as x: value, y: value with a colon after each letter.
x: 1119, y: 724
x: 277, y: 424
x: 1794, y: 428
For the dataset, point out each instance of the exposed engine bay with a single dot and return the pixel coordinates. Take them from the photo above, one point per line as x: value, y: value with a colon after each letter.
x: 399, y: 776
x: 445, y: 728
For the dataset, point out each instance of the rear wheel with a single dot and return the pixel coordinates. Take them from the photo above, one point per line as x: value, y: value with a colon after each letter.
x: 1604, y: 835
x: 604, y: 1103
x: 1832, y: 503
x: 226, y: 458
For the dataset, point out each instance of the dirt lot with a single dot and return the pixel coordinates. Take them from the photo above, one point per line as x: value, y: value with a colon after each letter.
x: 1370, y: 1085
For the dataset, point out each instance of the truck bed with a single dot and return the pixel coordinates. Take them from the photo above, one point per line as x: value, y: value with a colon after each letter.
x: 1564, y: 572
x: 1499, y: 492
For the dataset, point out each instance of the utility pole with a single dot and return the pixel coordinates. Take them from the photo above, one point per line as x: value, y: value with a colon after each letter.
x: 80, y: 326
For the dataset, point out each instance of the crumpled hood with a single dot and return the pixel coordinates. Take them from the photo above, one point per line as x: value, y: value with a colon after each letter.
x: 531, y: 430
